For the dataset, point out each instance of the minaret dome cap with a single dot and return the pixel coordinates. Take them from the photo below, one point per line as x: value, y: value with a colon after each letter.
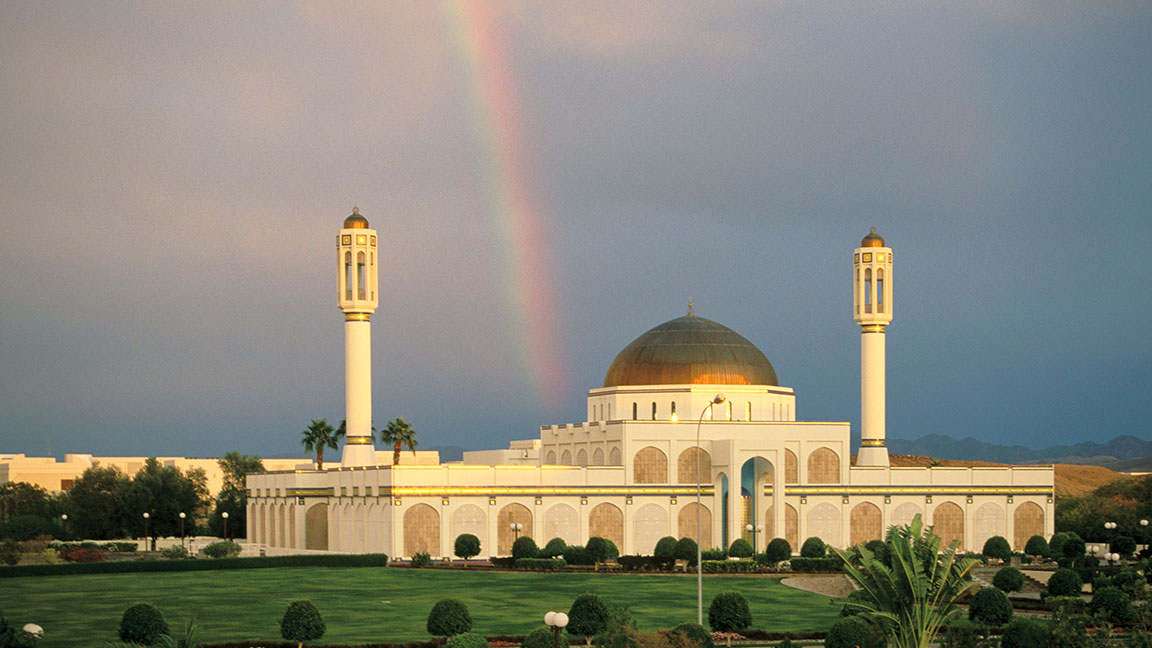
x: 355, y: 221
x: 872, y: 240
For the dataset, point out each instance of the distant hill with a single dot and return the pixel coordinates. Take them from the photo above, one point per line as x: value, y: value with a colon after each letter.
x: 1069, y: 479
x: 1125, y: 452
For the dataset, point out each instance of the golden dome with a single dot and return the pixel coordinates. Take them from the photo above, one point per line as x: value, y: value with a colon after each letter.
x: 690, y: 350
x: 355, y: 221
x: 872, y: 240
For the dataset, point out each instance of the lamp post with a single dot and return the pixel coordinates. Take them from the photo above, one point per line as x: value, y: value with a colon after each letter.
x: 516, y: 529
x: 146, y: 516
x: 1144, y: 531
x: 182, y: 516
x: 557, y: 621
x: 225, y: 516
x: 64, y: 522
x: 759, y: 528
x: 716, y: 400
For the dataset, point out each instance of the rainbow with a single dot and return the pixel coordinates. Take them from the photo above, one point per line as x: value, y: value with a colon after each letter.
x: 509, y: 201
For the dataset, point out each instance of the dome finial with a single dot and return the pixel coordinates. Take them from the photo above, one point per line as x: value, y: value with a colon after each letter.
x: 691, y: 313
x: 356, y: 211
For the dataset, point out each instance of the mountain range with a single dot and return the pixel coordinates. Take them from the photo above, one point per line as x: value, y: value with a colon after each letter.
x: 1124, y: 453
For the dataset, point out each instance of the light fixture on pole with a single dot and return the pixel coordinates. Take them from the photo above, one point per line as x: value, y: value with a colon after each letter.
x: 516, y: 529
x: 64, y: 522
x: 146, y: 516
x: 716, y: 400
x: 557, y: 621
x: 225, y: 516
x: 759, y: 528
x: 182, y: 516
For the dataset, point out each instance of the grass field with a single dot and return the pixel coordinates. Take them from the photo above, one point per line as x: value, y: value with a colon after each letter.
x: 364, y: 605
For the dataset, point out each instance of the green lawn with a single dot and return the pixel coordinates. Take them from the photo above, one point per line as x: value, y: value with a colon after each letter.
x: 364, y: 605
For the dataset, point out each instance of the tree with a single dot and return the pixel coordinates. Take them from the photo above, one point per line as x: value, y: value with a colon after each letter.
x: 729, y: 613
x: 1037, y: 546
x: 164, y: 492
x: 997, y: 547
x: 96, y: 503
x: 813, y: 548
x: 1008, y: 579
x: 467, y: 546
x: 448, y: 618
x: 319, y: 435
x: 233, y: 495
x: 1065, y: 582
x: 695, y: 635
x: 1056, y: 543
x: 142, y: 624
x: 990, y: 607
x: 302, y: 622
x: 621, y: 631
x: 778, y: 550
x: 541, y: 637
x: 848, y: 632
x: 1113, y: 605
x: 1123, y: 545
x: 554, y: 548
x: 665, y: 547
x: 1073, y: 548
x: 21, y: 498
x: 685, y: 550
x: 1023, y: 632
x: 601, y: 549
x: 399, y: 433
x: 588, y: 617
x: 525, y: 547
x: 740, y: 549
x: 913, y: 598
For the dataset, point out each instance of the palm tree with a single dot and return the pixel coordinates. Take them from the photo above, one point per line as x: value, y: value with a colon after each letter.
x: 398, y: 433
x: 319, y: 435
x: 914, y: 594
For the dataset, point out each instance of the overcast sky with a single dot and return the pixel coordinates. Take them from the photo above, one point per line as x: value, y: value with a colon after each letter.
x: 173, y: 175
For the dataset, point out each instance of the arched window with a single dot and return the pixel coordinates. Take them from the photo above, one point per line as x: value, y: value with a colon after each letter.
x: 653, y: 411
x: 729, y: 410
x: 868, y: 290
x: 348, y: 276
x: 634, y: 411
x: 361, y: 276
x: 880, y: 290
x: 748, y: 411
x: 673, y: 417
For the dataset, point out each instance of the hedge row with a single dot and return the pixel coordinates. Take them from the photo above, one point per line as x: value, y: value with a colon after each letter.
x: 816, y: 564
x: 202, y: 564
x: 646, y: 563
x: 114, y: 547
x: 728, y: 566
x: 541, y: 564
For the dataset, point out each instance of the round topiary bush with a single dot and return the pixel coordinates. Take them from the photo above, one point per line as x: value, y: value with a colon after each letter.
x: 525, y: 547
x: 302, y: 622
x: 685, y: 550
x: 448, y: 618
x: 778, y: 550
x: 813, y: 548
x: 142, y: 624
x: 1114, y: 605
x: 1008, y: 579
x: 665, y: 547
x: 1065, y: 582
x: 1074, y: 547
x: 587, y: 617
x: 848, y: 632
x: 1023, y: 632
x: 576, y: 555
x: 740, y: 549
x: 997, y: 547
x: 467, y: 546
x: 467, y: 640
x: 696, y: 634
x: 1123, y: 545
x: 990, y: 607
x: 729, y: 612
x: 1056, y: 543
x: 539, y: 638
x: 1037, y: 546
x: 222, y: 549
x: 554, y: 548
x: 601, y: 549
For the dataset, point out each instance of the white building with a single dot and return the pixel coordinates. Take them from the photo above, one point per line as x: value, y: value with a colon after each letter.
x: 689, y: 396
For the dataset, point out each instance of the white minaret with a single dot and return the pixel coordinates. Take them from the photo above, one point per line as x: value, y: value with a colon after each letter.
x: 356, y: 258
x: 872, y: 300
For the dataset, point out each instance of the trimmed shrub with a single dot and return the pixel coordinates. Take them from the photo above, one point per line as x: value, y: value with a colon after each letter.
x: 541, y: 564
x: 990, y: 607
x: 729, y: 613
x: 740, y: 549
x: 254, y: 562
x: 601, y: 549
x: 525, y: 547
x: 645, y: 563
x: 813, y: 548
x: 778, y: 550
x: 848, y: 632
x: 554, y: 548
x: 78, y: 555
x: 1123, y: 545
x: 222, y: 549
x: 9, y: 552
x: 665, y: 547
x: 302, y: 622
x: 686, y: 550
x: 997, y: 547
x: 1056, y: 544
x: 961, y: 634
x: 448, y: 618
x: 816, y: 564
x: 467, y: 640
x: 1113, y: 604
x: 539, y: 638
x: 576, y: 555
x: 587, y: 617
x: 421, y: 559
x: 1008, y: 579
x: 120, y: 546
x: 1023, y: 632
x: 1073, y: 548
x: 1037, y: 546
x: 175, y: 552
x: 142, y: 624
x: 880, y: 550
x: 696, y: 634
x: 1065, y: 582
x: 727, y: 566
x: 467, y: 545
x: 715, y: 553
x: 50, y: 556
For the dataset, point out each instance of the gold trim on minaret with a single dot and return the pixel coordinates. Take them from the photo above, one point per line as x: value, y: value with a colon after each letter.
x: 358, y: 440
x: 872, y: 443
x: 357, y: 317
x: 872, y: 328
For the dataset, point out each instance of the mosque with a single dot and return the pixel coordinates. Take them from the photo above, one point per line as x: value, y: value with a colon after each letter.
x: 689, y: 430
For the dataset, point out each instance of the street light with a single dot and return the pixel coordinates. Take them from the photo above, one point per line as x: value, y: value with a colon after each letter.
x: 225, y: 516
x: 146, y: 516
x: 182, y: 516
x: 759, y: 528
x: 716, y: 400
x: 516, y: 529
x: 64, y: 522
x: 557, y: 621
